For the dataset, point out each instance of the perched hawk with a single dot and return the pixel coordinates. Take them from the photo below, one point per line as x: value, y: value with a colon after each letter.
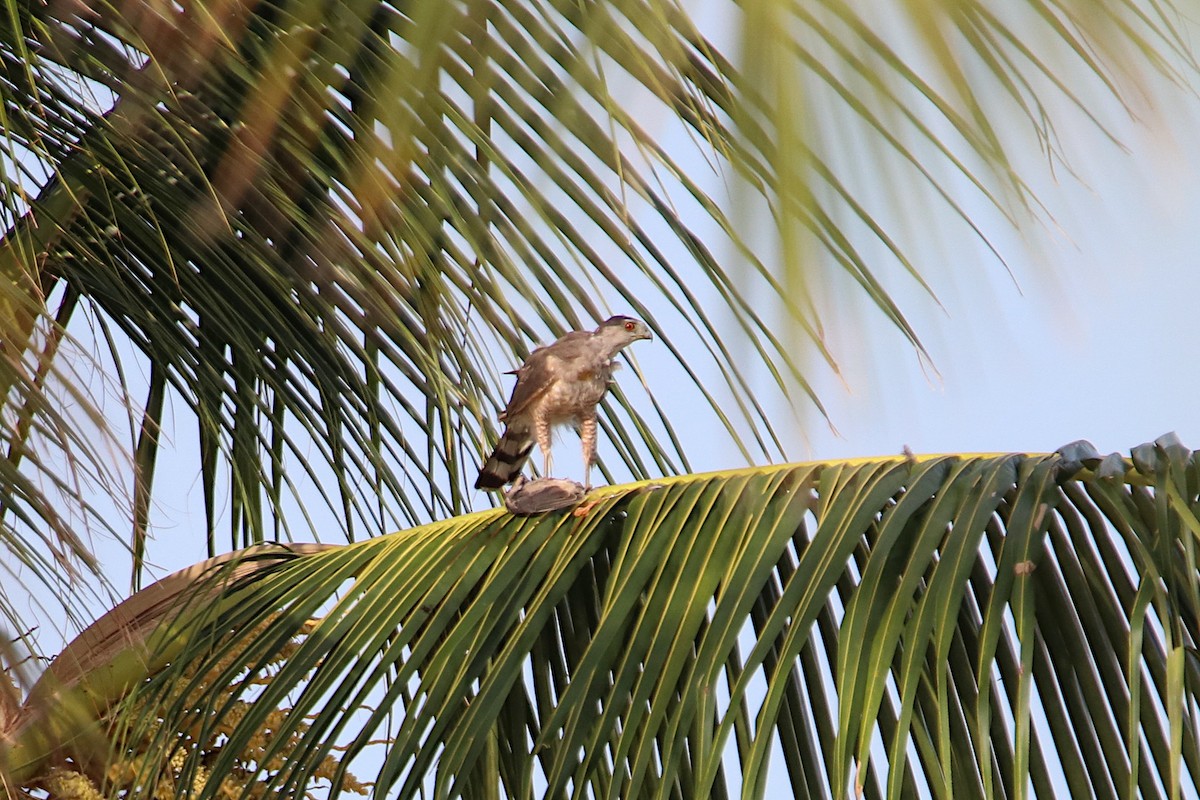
x: 560, y: 383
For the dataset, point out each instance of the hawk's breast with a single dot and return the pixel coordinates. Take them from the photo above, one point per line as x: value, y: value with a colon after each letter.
x: 577, y: 393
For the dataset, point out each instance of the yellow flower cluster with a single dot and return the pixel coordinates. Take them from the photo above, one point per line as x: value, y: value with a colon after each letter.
x: 67, y: 784
x: 187, y: 765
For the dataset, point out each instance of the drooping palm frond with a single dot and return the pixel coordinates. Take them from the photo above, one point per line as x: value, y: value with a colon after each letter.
x: 107, y: 661
x: 316, y: 223
x: 977, y: 626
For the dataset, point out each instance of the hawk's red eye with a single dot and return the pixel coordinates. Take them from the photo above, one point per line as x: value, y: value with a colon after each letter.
x: 629, y: 326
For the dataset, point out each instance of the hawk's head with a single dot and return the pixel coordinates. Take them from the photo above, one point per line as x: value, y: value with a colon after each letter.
x: 622, y: 331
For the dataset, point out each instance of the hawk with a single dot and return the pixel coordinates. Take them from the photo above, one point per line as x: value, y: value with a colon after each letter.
x: 559, y: 383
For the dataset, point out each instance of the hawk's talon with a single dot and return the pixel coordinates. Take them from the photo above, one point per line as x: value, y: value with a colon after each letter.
x: 584, y: 509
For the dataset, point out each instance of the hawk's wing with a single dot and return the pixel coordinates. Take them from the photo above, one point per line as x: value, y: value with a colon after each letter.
x: 544, y: 367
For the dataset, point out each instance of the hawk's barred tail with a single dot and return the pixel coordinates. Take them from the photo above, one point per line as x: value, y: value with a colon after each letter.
x: 505, y: 462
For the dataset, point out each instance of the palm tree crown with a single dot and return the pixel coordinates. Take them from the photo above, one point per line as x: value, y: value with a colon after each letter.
x: 307, y: 230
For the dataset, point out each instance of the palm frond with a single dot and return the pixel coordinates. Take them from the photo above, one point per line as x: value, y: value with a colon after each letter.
x: 318, y: 223
x: 990, y: 626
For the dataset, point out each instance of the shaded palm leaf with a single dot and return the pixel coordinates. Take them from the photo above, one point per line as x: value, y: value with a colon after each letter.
x: 314, y: 220
x: 309, y: 212
x: 948, y: 626
x: 111, y: 657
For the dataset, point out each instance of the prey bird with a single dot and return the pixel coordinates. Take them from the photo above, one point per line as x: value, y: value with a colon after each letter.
x: 560, y: 383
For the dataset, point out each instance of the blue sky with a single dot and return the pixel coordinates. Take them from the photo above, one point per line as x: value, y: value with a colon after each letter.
x: 1099, y: 342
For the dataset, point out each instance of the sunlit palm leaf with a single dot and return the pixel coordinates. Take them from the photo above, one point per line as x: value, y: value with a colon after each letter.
x: 945, y: 626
